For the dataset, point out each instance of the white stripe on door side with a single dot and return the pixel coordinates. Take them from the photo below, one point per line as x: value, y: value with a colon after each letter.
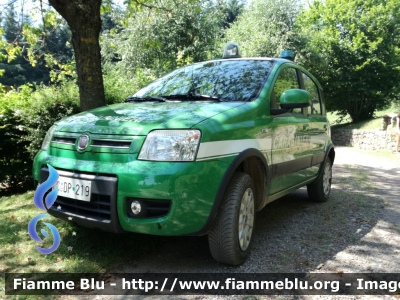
x: 228, y: 148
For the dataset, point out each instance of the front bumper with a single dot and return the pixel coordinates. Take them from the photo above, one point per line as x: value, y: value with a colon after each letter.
x: 100, y: 212
x: 190, y: 187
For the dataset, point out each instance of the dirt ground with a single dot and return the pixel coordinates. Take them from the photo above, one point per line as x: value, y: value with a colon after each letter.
x: 356, y: 231
x: 379, y: 250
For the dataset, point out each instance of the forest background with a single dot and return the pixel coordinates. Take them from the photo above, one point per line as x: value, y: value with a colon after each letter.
x: 351, y: 46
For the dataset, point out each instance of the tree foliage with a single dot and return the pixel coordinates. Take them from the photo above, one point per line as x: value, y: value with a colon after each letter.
x: 14, y: 159
x: 25, y: 117
x: 265, y: 28
x: 12, y: 29
x: 231, y: 10
x: 20, y: 71
x: 31, y: 52
x: 162, y: 39
x: 353, y: 47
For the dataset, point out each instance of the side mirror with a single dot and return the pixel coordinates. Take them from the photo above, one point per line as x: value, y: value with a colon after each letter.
x: 295, y: 98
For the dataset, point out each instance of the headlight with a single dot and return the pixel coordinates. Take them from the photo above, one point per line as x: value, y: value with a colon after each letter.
x: 47, y: 138
x: 171, y: 145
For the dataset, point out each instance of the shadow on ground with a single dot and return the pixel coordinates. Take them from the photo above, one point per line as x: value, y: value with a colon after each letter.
x: 292, y: 234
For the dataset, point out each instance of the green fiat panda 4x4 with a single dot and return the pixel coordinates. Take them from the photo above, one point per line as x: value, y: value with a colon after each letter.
x: 198, y: 151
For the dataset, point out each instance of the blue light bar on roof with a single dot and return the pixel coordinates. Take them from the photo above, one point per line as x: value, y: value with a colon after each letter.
x: 287, y: 54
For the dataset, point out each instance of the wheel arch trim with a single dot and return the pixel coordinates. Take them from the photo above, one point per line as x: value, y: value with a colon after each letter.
x: 240, y: 158
x: 330, y: 151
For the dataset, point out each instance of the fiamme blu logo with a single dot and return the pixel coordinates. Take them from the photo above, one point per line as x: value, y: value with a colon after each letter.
x: 44, y: 202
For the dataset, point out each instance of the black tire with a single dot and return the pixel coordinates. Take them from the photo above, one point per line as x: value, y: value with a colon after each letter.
x: 319, y: 190
x: 231, y: 235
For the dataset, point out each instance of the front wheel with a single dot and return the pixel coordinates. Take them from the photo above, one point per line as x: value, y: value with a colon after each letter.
x: 231, y: 235
x: 319, y: 190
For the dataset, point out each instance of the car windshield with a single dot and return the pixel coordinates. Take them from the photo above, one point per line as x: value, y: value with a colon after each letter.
x: 219, y: 80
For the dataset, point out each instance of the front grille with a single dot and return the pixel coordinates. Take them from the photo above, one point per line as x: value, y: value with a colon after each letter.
x: 64, y: 140
x: 97, y: 144
x: 111, y: 143
x: 98, y: 208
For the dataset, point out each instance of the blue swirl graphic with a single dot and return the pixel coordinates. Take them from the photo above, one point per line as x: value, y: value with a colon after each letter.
x: 32, y: 232
x: 44, y: 187
x: 45, y: 203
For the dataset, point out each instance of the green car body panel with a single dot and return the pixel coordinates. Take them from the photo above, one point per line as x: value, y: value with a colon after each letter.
x: 280, y: 152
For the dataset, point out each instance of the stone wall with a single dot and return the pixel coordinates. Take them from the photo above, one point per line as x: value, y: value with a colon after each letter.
x: 365, y: 139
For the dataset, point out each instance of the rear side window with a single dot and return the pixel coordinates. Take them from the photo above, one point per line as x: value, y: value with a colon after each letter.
x: 311, y: 87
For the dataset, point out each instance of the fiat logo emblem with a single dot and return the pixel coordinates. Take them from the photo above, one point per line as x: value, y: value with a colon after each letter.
x: 83, y: 142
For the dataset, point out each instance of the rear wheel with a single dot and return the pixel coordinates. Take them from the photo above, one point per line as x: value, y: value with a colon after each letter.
x: 319, y: 190
x: 231, y: 235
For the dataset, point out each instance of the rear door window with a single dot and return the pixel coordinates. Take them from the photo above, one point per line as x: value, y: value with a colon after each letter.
x: 311, y: 87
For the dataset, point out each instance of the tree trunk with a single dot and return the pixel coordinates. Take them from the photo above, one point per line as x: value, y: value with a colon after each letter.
x: 360, y: 110
x: 83, y: 18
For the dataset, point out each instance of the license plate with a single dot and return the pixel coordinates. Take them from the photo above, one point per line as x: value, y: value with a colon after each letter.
x: 74, y: 188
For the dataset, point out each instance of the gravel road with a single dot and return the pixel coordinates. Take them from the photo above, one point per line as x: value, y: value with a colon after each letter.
x: 357, y: 230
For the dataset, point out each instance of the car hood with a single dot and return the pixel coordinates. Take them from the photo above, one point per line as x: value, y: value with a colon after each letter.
x: 140, y: 118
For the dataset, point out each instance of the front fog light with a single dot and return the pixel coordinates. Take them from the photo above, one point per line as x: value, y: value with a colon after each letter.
x: 171, y: 145
x: 136, y: 207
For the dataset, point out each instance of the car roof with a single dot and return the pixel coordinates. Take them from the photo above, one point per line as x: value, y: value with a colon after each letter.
x: 277, y: 60
x: 274, y: 59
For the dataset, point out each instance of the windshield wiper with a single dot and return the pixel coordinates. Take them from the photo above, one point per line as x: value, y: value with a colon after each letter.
x: 194, y: 97
x: 144, y: 99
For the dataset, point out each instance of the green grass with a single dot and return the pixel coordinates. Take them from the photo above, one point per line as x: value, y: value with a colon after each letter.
x: 372, y: 124
x: 17, y: 248
x: 93, y: 251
